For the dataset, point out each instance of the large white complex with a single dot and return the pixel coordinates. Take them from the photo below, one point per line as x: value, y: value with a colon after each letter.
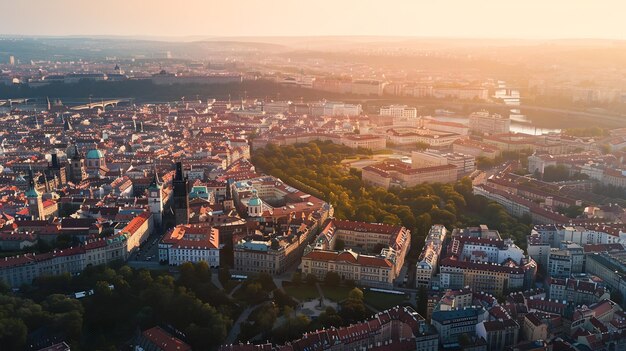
x: 398, y: 111
x: 581, y: 234
x: 464, y: 163
x: 483, y: 122
x: 335, y: 109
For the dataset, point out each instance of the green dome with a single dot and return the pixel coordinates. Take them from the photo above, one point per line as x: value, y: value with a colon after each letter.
x: 32, y: 193
x: 94, y: 154
x: 255, y: 201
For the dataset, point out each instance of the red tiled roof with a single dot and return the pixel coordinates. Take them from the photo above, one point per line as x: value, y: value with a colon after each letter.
x: 164, y: 341
x: 204, y: 236
x: 136, y: 223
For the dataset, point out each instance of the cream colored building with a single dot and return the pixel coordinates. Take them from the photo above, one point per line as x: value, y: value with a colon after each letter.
x: 428, y: 261
x: 398, y: 111
x: 22, y: 269
x: 484, y: 122
x: 367, y: 267
x: 396, y: 173
x: 138, y: 230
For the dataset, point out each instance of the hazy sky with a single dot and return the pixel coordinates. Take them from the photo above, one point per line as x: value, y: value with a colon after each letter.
x: 438, y: 18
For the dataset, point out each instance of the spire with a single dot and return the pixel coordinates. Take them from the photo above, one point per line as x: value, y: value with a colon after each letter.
x: 179, y: 171
x: 156, y: 183
x: 229, y: 183
x: 54, y: 161
x: 76, y: 155
x: 31, y: 179
x: 32, y: 191
x: 66, y: 124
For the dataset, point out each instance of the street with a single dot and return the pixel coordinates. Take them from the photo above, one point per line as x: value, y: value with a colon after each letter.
x: 147, y: 255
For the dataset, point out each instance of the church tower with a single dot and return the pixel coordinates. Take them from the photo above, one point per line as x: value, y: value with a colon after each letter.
x: 67, y: 125
x: 77, y: 170
x: 35, y: 203
x: 155, y: 200
x: 56, y: 170
x: 228, y: 203
x: 180, y: 195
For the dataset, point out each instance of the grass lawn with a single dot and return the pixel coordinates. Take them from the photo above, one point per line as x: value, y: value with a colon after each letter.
x: 382, y: 301
x: 302, y: 292
x: 336, y: 294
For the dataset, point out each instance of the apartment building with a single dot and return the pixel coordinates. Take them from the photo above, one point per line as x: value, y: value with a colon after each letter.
x: 428, y: 260
x: 488, y: 277
x: 368, y: 267
x: 577, y: 290
x: 191, y: 243
x: 582, y: 234
x: 498, y: 333
x: 451, y: 324
x: 485, y: 123
x: 566, y: 260
x: 22, y: 269
x: 610, y: 267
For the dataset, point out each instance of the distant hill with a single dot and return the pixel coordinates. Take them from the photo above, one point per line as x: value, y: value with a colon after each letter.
x: 74, y: 48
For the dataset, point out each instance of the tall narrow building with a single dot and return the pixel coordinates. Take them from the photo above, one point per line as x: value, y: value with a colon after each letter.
x: 155, y: 200
x: 180, y: 195
x: 35, y: 203
x: 77, y: 171
x: 67, y: 124
x: 228, y: 203
x: 56, y: 171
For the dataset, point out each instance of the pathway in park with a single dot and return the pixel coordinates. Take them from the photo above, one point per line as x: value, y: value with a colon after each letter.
x: 216, y: 281
x: 236, y: 329
x: 235, y: 289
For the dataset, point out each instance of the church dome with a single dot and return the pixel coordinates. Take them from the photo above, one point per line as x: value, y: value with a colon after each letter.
x: 255, y: 201
x: 94, y: 154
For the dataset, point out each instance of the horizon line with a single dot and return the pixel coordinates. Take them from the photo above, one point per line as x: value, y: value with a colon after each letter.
x: 201, y: 37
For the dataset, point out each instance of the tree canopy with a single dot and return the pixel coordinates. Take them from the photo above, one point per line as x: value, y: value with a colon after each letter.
x: 316, y: 168
x: 123, y: 301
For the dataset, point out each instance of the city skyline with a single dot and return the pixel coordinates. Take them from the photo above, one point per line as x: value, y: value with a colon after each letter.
x: 192, y: 19
x: 284, y: 175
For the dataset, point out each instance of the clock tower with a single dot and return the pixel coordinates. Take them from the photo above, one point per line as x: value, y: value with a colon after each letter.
x: 180, y: 190
x: 155, y: 200
x: 228, y: 203
x: 35, y: 203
